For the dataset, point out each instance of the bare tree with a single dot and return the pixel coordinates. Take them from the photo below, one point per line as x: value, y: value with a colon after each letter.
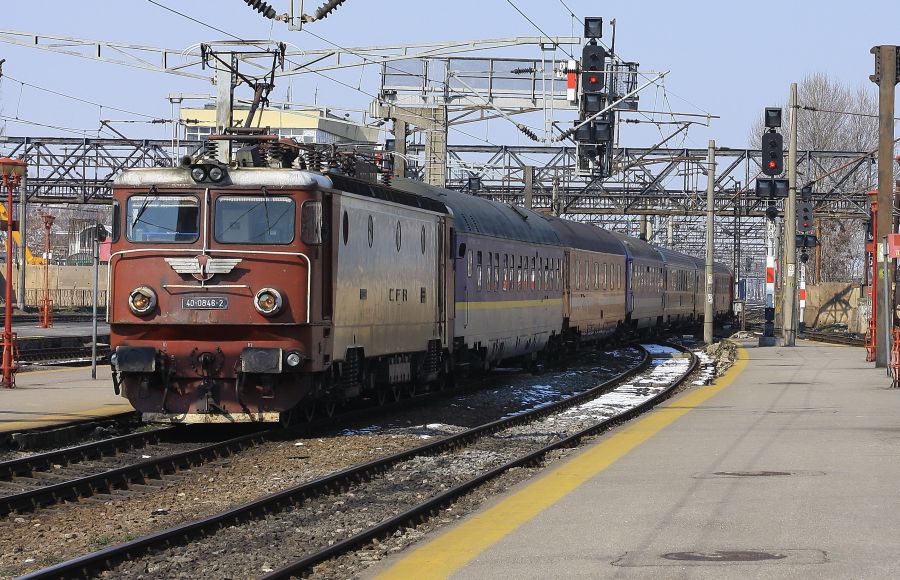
x: 834, y: 117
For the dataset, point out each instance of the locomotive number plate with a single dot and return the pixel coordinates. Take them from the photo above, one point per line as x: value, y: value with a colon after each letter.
x: 204, y: 303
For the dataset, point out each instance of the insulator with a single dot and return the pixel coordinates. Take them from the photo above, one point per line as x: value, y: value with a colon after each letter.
x: 314, y: 160
x: 262, y: 7
x: 210, y: 149
x: 528, y: 132
x: 348, y: 165
x: 386, y: 177
x: 325, y: 9
x: 523, y: 71
x: 275, y: 154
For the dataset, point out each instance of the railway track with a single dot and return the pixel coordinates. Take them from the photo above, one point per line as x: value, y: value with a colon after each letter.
x: 124, y: 462
x: 833, y: 337
x: 511, y: 442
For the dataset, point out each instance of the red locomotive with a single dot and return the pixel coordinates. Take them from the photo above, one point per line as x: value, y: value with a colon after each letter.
x: 259, y: 290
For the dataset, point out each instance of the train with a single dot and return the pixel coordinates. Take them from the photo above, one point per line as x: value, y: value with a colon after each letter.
x: 264, y: 292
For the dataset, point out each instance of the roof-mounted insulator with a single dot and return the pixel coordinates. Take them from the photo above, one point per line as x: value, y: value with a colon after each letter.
x: 262, y: 7
x: 324, y: 10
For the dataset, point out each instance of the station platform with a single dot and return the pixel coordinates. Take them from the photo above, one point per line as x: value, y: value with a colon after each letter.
x: 786, y: 467
x: 56, y: 397
x: 33, y: 329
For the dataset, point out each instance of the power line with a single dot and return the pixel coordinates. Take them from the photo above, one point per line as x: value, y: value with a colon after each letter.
x: 421, y: 76
x: 82, y: 132
x: 358, y: 89
x: 570, y: 11
x: 192, y: 19
x: 79, y: 99
x: 850, y: 113
x: 525, y: 16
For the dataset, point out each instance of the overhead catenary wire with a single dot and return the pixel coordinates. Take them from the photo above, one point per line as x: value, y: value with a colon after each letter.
x: 525, y: 129
x: 533, y: 23
x: 850, y: 113
x: 82, y: 132
x: 360, y: 90
x: 78, y: 99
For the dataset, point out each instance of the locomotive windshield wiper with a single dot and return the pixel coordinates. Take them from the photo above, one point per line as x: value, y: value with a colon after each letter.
x: 144, y: 206
x: 265, y: 193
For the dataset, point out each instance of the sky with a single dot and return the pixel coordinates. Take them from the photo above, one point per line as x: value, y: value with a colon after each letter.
x: 729, y: 59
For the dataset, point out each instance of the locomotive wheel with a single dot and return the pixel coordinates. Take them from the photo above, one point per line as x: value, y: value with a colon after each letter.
x: 395, y: 392
x: 309, y: 412
x: 329, y: 407
x: 381, y: 396
x: 411, y: 390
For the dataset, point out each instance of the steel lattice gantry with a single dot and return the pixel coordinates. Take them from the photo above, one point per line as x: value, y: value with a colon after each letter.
x: 662, y: 192
x: 73, y: 170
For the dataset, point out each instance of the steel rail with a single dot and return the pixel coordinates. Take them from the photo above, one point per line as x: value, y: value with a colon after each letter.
x: 105, y: 558
x: 26, y: 466
x: 832, y: 337
x: 427, y: 508
x: 121, y: 477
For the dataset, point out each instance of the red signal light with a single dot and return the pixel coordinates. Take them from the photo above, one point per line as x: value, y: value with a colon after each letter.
x: 593, y: 79
x: 772, y: 165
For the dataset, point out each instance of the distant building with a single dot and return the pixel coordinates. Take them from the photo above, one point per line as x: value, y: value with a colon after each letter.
x: 305, y: 125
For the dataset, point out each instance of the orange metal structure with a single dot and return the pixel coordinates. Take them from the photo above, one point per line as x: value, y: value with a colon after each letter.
x: 11, y: 171
x: 872, y: 248
x: 46, y: 303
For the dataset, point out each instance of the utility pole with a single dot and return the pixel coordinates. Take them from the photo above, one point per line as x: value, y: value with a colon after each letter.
x: 528, y: 177
x: 789, y: 299
x: 886, y: 62
x: 554, y: 198
x: 23, y: 229
x: 710, y: 208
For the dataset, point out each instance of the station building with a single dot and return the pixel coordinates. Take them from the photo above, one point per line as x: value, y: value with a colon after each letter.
x: 308, y: 125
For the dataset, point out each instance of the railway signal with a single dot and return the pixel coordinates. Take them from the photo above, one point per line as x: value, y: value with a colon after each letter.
x: 773, y: 117
x: 594, y: 133
x: 805, y: 223
x: 772, y: 153
x: 593, y: 26
x: 771, y: 188
x: 593, y: 64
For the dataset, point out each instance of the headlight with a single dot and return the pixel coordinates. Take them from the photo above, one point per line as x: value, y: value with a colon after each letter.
x: 293, y: 359
x: 142, y: 300
x: 198, y: 173
x: 215, y: 173
x: 268, y: 302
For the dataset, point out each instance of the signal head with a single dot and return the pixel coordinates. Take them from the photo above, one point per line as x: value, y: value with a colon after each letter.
x: 773, y: 117
x: 593, y: 27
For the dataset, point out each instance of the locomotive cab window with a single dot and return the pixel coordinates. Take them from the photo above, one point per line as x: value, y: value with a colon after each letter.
x: 311, y: 223
x: 116, y: 217
x: 265, y: 219
x: 171, y: 219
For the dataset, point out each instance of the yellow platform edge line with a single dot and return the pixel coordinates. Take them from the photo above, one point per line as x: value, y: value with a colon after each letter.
x: 454, y: 548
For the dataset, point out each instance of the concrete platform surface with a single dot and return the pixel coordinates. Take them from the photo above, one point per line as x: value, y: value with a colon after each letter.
x: 26, y: 329
x: 58, y: 396
x: 788, y: 468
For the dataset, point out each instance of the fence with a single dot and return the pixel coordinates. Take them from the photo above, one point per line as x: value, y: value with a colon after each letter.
x: 65, y: 297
